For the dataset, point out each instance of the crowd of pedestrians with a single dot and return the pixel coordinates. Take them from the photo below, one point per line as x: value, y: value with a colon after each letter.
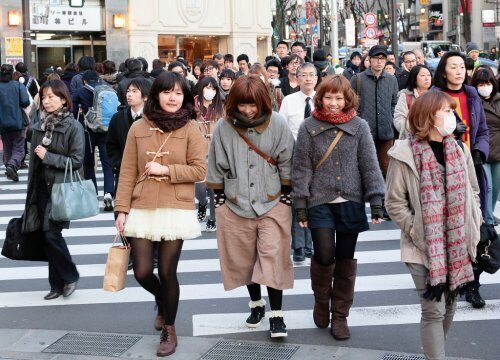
x: 279, y: 158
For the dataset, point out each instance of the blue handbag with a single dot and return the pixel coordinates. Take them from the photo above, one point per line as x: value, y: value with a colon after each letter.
x: 73, y: 200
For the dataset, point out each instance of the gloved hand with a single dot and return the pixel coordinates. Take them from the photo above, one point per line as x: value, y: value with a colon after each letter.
x: 219, y: 197
x: 285, y: 197
x: 434, y: 292
x: 477, y: 157
x: 460, y: 129
x: 301, y: 215
x: 377, y: 212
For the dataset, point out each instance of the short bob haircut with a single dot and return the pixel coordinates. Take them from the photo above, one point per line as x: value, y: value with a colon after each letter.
x: 422, y: 115
x: 249, y: 90
x: 336, y: 84
x: 164, y: 82
x: 227, y: 73
x: 141, y: 84
x: 484, y: 75
x: 440, y: 74
x: 59, y: 89
x: 412, y: 78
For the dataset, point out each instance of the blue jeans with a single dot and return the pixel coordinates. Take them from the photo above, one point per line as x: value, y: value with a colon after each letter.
x: 301, y: 237
x: 93, y: 139
x: 493, y: 175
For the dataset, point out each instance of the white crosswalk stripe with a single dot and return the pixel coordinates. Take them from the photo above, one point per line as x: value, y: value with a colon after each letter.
x: 89, y: 240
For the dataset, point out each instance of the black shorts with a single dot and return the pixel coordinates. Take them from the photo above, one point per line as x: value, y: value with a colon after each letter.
x: 346, y: 216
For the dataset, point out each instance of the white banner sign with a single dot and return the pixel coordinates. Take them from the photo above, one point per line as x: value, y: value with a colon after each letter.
x: 350, y: 32
x: 66, y: 18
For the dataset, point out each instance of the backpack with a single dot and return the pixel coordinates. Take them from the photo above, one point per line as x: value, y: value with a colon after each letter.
x: 104, y: 106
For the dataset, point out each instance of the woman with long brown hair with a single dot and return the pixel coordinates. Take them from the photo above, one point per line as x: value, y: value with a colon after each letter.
x: 249, y: 169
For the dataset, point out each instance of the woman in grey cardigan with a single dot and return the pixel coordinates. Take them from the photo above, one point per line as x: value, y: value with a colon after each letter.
x: 335, y: 170
x: 249, y: 168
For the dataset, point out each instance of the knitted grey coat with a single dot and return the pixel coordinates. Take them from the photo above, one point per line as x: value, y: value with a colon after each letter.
x: 351, y: 171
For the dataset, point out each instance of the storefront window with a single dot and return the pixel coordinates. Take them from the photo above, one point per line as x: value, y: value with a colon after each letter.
x: 191, y: 48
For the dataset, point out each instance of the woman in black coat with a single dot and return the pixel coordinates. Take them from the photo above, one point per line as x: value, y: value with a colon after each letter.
x: 56, y: 137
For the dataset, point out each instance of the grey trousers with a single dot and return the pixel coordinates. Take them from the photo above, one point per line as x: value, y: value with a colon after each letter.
x: 201, y: 193
x: 13, y: 147
x: 436, y: 316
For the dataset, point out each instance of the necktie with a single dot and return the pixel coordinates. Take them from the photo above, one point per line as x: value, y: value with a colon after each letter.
x: 307, y: 109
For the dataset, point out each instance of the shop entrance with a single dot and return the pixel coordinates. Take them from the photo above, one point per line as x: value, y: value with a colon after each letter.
x: 190, y: 47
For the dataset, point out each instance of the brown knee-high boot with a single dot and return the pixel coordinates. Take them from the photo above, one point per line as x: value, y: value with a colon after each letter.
x: 168, y: 341
x: 344, y: 278
x: 321, y: 284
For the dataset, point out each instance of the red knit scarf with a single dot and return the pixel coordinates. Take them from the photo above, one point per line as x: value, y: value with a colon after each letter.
x: 333, y: 118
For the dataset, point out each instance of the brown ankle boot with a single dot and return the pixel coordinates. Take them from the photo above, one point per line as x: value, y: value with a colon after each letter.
x: 168, y: 341
x: 159, y: 321
x: 344, y: 278
x: 321, y: 284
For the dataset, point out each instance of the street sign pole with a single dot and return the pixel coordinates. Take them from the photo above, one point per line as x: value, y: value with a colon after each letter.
x: 394, y: 29
x: 335, y: 32
x: 27, y: 36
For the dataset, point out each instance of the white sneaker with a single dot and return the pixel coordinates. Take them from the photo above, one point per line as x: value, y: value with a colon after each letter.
x: 108, y: 202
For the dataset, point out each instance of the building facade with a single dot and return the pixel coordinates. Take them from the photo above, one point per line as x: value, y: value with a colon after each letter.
x: 195, y: 29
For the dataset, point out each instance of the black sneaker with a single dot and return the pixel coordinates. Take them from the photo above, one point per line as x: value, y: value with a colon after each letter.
x: 211, y: 226
x: 11, y: 173
x: 108, y: 202
x: 308, y: 253
x: 277, y: 326
x: 473, y: 297
x: 299, y: 255
x: 202, y: 212
x: 257, y: 313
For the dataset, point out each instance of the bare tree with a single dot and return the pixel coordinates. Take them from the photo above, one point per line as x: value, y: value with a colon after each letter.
x: 465, y: 5
x: 357, y: 8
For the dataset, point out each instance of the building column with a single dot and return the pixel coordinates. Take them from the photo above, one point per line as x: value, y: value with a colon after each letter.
x: 477, y: 23
x: 5, y: 29
x: 117, y: 43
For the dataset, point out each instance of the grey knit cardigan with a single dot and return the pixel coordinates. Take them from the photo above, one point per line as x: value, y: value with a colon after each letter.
x: 351, y: 171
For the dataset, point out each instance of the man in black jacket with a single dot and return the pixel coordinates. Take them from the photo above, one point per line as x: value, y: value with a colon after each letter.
x: 409, y: 62
x: 135, y: 70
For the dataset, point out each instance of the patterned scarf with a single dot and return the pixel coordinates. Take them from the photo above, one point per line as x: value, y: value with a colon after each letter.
x: 328, y: 116
x: 49, y: 121
x: 443, y: 212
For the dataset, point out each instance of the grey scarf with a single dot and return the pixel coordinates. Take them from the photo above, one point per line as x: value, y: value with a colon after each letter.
x: 241, y: 121
x: 49, y: 121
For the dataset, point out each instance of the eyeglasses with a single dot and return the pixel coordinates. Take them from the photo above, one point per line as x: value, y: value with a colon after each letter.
x: 208, y: 69
x: 296, y: 52
x: 273, y: 72
x: 410, y: 61
x: 305, y: 76
x: 379, y: 58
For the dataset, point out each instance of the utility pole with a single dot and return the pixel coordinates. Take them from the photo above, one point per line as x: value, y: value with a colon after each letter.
x: 27, y: 36
x: 394, y: 28
x: 334, y: 37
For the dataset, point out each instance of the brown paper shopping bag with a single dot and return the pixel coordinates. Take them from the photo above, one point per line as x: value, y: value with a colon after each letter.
x: 115, y: 275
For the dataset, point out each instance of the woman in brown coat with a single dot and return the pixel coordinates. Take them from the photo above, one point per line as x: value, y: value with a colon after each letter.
x: 164, y: 156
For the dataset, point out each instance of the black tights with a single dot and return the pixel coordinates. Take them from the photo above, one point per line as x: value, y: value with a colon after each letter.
x: 275, y: 296
x: 165, y: 288
x: 326, y: 249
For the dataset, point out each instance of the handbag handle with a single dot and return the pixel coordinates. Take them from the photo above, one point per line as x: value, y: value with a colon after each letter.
x: 69, y: 165
x: 123, y: 238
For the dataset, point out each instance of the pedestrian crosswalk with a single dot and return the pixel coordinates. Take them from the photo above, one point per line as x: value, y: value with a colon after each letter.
x: 391, y: 299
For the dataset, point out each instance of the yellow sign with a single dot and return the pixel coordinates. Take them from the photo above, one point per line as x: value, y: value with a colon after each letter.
x: 424, y: 2
x: 14, y: 46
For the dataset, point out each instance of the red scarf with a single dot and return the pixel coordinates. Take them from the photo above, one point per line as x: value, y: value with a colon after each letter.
x: 329, y: 117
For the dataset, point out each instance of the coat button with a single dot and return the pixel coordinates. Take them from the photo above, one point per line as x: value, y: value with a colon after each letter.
x: 336, y: 162
x: 250, y: 149
x: 335, y: 132
x: 313, y: 132
x: 322, y: 128
x: 250, y: 131
x: 251, y: 166
x: 338, y: 177
x: 253, y: 202
x: 339, y: 192
x: 251, y: 184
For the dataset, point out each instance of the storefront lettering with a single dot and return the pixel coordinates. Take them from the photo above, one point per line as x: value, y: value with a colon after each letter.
x: 64, y: 18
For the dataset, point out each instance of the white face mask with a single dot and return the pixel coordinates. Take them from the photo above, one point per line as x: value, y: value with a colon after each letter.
x: 209, y: 94
x: 449, y: 125
x: 485, y: 91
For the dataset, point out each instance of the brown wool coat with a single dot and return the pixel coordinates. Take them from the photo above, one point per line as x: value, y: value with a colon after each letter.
x: 184, y: 153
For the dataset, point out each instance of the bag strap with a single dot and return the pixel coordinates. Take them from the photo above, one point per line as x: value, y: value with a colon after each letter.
x: 69, y: 166
x: 123, y: 238
x: 330, y: 149
x: 259, y: 152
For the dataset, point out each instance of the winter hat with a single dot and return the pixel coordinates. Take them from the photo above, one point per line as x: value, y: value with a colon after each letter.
x: 471, y: 46
x: 319, y: 55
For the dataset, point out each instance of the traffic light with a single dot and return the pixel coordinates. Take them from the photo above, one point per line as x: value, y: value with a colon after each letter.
x: 76, y: 3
